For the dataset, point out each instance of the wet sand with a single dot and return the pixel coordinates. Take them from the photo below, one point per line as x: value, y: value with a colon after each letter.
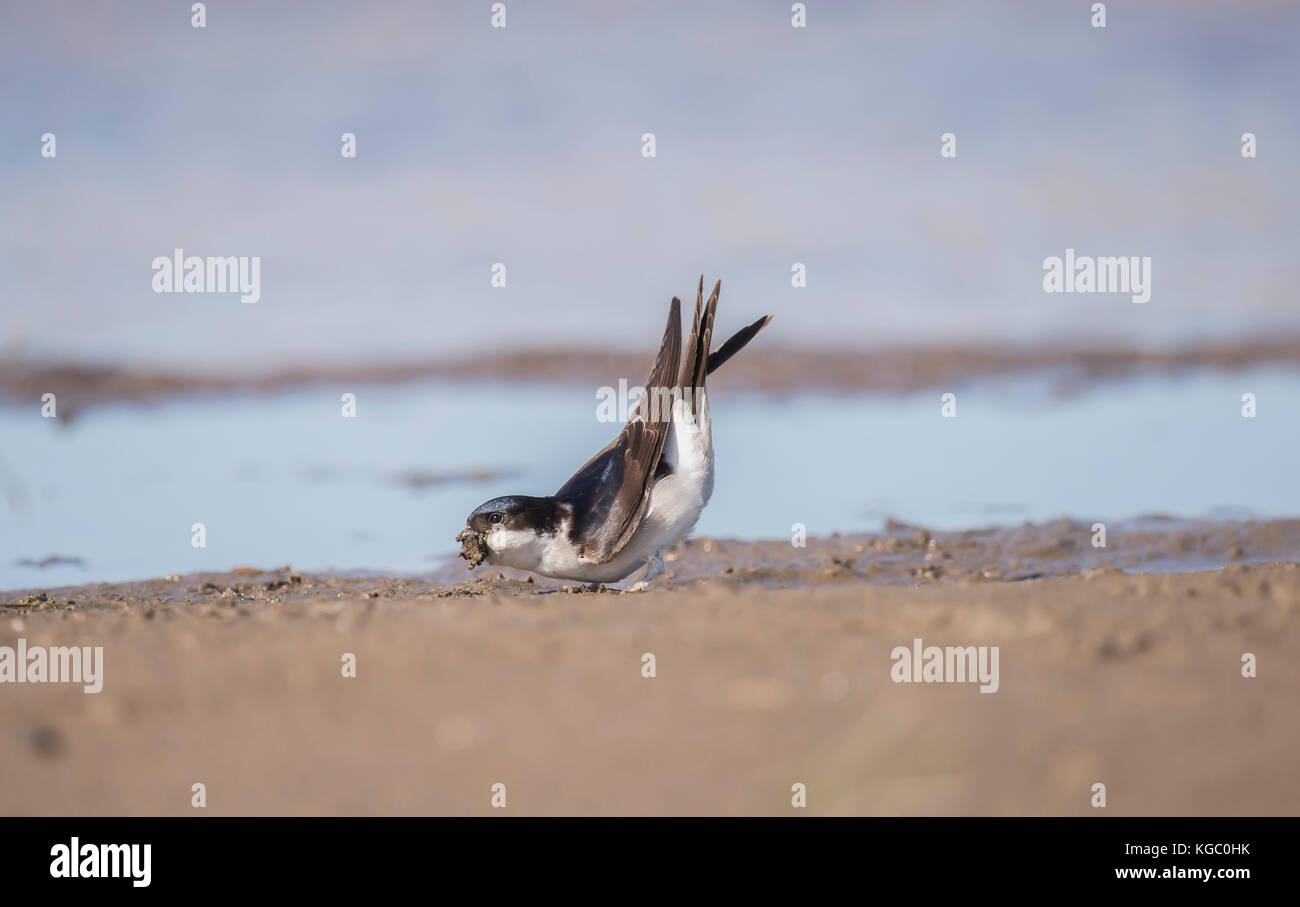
x: 772, y: 667
x: 766, y: 366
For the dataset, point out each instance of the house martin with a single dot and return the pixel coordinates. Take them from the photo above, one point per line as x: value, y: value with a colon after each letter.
x: 642, y: 493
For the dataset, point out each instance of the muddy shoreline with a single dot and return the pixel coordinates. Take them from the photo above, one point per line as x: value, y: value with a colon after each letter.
x: 1131, y: 680
x: 902, y: 555
x: 765, y: 367
x: 772, y: 667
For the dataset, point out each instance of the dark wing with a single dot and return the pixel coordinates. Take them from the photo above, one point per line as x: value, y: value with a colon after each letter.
x: 610, y: 492
x: 735, y: 344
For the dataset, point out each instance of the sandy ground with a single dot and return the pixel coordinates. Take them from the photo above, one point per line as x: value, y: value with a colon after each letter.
x: 772, y: 668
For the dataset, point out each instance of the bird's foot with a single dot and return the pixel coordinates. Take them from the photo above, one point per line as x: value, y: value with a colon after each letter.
x: 654, y: 567
x: 579, y: 589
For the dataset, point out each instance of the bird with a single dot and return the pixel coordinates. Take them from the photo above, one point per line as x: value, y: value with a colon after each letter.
x: 642, y: 493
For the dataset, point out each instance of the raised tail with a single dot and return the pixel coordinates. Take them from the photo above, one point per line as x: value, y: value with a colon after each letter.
x: 697, y: 359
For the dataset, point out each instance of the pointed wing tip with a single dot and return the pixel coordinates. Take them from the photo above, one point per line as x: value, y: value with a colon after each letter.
x: 672, y: 342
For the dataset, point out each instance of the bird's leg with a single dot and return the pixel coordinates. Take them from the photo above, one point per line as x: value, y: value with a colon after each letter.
x: 653, y: 567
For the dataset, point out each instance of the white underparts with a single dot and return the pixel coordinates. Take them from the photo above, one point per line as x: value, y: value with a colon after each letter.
x: 676, y: 501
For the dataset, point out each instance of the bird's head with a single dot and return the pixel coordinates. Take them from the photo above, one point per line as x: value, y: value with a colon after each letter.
x: 505, y: 531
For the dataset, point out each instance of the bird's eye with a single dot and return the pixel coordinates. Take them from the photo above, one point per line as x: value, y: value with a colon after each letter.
x: 495, y: 518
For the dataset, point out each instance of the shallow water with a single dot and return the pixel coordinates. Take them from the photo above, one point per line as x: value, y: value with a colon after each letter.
x: 286, y: 479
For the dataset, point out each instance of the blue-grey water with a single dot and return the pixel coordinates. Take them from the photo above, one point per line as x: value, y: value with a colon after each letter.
x: 286, y: 479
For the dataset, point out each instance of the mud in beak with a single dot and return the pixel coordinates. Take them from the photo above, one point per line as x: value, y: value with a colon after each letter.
x: 473, y: 547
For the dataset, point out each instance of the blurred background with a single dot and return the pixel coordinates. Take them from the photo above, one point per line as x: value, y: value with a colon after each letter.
x: 522, y: 145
